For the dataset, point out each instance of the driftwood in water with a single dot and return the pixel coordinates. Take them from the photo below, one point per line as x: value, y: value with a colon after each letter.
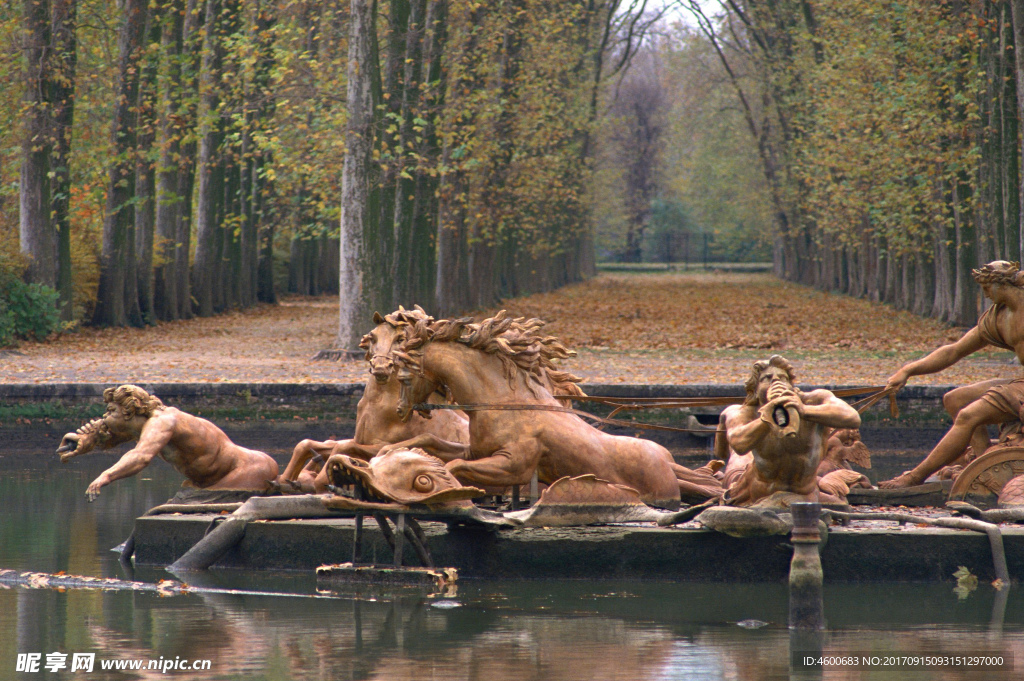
x: 165, y: 587
x: 995, y: 536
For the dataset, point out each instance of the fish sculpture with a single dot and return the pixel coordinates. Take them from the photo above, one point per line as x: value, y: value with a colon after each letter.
x: 411, y: 479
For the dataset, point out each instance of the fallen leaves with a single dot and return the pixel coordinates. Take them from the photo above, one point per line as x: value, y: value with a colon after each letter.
x: 628, y: 328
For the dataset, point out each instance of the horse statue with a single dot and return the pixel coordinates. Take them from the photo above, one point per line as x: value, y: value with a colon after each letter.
x: 377, y: 419
x: 503, y: 371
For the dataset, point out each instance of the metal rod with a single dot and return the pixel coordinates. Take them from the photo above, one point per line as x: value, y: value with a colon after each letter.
x: 385, y: 529
x: 534, y: 487
x: 414, y: 533
x: 399, y: 539
x: 515, y: 497
x: 357, y: 540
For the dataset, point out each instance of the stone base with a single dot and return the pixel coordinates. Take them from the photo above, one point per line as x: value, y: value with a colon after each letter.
x: 613, y: 552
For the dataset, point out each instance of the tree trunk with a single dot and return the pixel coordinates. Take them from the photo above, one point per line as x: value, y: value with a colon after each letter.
x: 965, y: 297
x: 169, y: 201
x: 195, y: 19
x: 62, y: 98
x: 111, y: 307
x: 206, y: 272
x: 38, y: 239
x: 1017, y: 9
x: 360, y: 233
x: 145, y: 176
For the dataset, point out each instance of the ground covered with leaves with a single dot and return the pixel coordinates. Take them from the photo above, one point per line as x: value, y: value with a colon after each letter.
x: 683, y: 327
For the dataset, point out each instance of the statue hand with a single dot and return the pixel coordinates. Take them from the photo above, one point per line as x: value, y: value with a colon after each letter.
x: 790, y: 400
x: 68, y: 446
x: 897, y: 381
x: 93, y: 490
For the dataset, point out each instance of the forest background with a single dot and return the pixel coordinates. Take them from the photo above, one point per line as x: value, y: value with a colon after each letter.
x: 161, y: 159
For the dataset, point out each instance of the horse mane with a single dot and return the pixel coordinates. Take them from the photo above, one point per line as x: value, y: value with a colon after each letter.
x: 516, y: 341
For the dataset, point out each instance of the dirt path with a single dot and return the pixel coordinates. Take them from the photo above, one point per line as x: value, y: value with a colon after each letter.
x: 628, y: 328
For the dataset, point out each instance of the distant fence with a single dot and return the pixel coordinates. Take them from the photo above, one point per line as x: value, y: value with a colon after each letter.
x: 652, y: 267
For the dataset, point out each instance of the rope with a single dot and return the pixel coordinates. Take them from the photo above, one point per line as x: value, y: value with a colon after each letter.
x: 648, y: 403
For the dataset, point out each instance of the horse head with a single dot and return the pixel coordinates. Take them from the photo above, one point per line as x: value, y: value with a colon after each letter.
x: 379, y: 344
x: 416, y: 389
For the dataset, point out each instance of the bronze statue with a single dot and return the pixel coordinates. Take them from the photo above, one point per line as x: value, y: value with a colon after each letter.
x: 377, y: 420
x: 976, y: 406
x: 195, y: 447
x: 505, y: 362
x: 783, y: 429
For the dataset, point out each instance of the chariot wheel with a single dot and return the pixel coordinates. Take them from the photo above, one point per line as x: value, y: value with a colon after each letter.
x: 983, y: 479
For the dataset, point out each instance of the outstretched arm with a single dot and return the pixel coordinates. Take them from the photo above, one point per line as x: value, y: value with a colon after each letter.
x: 939, y: 359
x: 155, y: 435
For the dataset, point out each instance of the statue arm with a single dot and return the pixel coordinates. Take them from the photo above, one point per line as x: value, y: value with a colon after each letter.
x: 743, y: 433
x: 939, y: 359
x: 721, y: 435
x: 156, y: 434
x: 825, y: 408
x: 445, y: 450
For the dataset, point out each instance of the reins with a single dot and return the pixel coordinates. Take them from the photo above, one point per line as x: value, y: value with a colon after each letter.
x: 626, y: 403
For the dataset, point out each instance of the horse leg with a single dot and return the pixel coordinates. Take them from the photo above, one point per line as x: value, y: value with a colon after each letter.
x: 303, y: 452
x: 511, y: 465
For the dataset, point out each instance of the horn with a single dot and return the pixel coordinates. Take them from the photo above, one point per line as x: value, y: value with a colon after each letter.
x: 377, y: 318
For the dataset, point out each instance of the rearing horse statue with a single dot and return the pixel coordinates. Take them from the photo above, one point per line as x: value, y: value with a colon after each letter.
x: 506, y: 362
x: 377, y: 420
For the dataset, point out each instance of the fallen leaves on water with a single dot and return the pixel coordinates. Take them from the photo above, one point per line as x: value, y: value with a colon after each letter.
x: 965, y: 582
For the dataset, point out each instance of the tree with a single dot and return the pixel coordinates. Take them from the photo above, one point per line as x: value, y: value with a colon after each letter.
x: 38, y: 239
x: 111, y: 305
x: 360, y: 252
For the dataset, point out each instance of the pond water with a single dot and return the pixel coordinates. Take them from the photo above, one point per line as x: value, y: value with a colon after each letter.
x: 491, y: 631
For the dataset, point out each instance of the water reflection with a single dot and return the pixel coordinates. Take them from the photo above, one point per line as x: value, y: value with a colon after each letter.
x: 557, y: 631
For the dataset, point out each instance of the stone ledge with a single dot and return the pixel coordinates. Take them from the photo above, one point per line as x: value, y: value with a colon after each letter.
x: 53, y: 391
x: 612, y: 552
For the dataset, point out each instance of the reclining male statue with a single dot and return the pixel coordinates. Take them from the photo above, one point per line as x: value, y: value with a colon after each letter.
x: 195, y: 447
x: 974, y: 407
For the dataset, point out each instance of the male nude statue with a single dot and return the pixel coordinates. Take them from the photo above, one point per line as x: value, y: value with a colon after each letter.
x: 195, y: 447
x: 974, y: 407
x: 784, y: 429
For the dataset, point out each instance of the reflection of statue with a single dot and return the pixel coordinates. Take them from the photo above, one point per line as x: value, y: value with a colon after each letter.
x: 976, y: 406
x: 195, y: 447
x: 783, y: 429
x: 377, y: 420
x: 507, y: 362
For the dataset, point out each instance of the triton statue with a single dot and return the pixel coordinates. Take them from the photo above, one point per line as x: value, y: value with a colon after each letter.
x: 195, y: 447
x: 784, y: 430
